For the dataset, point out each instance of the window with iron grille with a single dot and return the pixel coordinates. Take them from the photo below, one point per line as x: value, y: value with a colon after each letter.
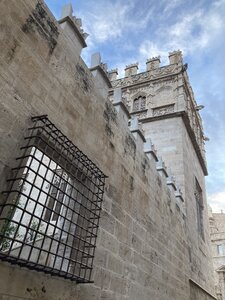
x: 199, y: 207
x: 50, y: 218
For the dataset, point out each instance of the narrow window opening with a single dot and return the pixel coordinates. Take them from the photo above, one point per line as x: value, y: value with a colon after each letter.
x: 139, y: 103
x: 199, y: 208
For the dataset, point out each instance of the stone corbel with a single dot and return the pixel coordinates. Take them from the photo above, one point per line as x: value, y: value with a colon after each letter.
x: 137, y: 132
x: 161, y: 168
x: 149, y: 149
x: 120, y: 106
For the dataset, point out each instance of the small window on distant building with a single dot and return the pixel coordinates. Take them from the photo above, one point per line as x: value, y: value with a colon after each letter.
x: 199, y: 208
x: 139, y: 103
x: 221, y: 249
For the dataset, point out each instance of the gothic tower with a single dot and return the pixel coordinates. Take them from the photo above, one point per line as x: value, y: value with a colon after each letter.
x: 163, y: 101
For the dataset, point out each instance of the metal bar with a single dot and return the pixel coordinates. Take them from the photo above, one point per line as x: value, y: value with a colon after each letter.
x: 50, y: 219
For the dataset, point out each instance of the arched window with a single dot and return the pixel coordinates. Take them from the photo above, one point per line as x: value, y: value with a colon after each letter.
x: 139, y: 103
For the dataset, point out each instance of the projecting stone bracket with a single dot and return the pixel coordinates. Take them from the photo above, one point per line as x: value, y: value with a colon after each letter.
x: 180, y: 201
x: 120, y: 106
x: 170, y: 181
x: 161, y: 167
x: 150, y: 150
x: 99, y: 71
x: 136, y: 130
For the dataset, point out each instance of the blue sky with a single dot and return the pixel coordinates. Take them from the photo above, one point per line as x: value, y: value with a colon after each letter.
x: 129, y: 31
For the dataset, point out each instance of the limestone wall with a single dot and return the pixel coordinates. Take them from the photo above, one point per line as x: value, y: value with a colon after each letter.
x: 143, y: 249
x: 199, y: 246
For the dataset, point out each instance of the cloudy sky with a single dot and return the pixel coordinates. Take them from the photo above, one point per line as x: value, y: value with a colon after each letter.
x: 129, y: 31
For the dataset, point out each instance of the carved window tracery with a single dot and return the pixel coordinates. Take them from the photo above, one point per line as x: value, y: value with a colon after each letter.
x: 139, y: 103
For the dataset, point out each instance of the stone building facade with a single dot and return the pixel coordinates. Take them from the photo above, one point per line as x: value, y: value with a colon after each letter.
x: 68, y: 125
x: 217, y: 234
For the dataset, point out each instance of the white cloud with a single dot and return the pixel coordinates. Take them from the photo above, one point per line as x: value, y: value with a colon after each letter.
x: 109, y: 23
x: 169, y: 6
x: 217, y: 201
x: 150, y: 49
x: 107, y: 20
x: 192, y: 33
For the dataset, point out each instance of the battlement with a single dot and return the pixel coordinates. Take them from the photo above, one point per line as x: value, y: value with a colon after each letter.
x: 135, y: 65
x: 175, y: 57
x: 131, y: 69
x: 153, y: 67
x: 113, y: 74
x: 153, y: 58
x: 152, y: 63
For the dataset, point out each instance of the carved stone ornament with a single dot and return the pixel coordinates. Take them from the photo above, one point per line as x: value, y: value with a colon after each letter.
x: 141, y: 115
x: 160, y: 111
x: 163, y: 71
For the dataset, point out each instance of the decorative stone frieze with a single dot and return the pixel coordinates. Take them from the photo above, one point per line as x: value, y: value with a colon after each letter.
x: 150, y: 150
x: 160, y: 111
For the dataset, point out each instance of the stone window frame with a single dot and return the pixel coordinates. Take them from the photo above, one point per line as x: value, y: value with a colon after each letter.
x: 139, y: 103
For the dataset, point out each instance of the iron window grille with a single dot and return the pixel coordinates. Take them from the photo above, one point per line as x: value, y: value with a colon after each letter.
x: 50, y: 218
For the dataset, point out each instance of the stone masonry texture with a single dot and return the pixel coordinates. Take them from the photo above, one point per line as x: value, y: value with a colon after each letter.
x: 148, y: 245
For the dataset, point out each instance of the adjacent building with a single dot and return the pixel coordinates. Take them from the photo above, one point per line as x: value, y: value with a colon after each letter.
x: 217, y: 234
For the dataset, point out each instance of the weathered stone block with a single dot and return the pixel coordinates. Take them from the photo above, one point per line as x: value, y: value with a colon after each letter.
x: 109, y: 242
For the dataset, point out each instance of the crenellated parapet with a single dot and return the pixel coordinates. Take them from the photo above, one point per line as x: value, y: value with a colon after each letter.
x: 151, y: 74
x: 153, y: 70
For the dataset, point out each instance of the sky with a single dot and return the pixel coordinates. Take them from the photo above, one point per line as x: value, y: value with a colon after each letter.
x: 129, y: 31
